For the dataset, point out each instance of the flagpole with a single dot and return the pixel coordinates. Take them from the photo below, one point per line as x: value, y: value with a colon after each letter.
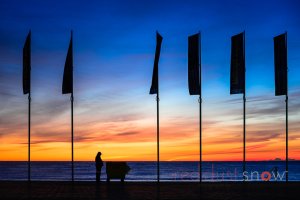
x: 72, y: 135
x: 244, y: 135
x: 29, y: 123
x: 155, y: 90
x: 72, y: 121
x: 157, y: 131
x: 286, y: 139
x: 200, y: 137
x: 286, y: 120
x: 200, y: 112
x: 29, y: 111
x: 244, y: 113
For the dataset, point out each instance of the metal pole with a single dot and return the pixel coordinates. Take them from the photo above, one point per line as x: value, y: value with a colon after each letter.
x: 244, y: 113
x: 244, y: 136
x: 72, y: 136
x: 157, y: 131
x: 200, y: 110
x: 200, y: 136
x: 72, y: 100
x: 29, y: 111
x: 286, y: 121
x: 286, y: 139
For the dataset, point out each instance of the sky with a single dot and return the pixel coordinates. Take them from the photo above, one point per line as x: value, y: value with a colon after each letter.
x: 114, y: 44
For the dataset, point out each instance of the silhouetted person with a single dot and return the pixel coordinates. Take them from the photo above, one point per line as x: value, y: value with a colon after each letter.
x: 99, y: 165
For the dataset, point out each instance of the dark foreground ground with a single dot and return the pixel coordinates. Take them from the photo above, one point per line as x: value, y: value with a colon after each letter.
x: 149, y: 190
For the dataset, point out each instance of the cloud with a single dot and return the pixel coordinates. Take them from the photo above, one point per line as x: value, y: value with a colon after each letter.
x: 262, y: 136
x: 128, y: 133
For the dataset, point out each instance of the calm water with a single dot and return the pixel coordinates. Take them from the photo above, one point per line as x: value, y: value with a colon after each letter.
x: 146, y: 171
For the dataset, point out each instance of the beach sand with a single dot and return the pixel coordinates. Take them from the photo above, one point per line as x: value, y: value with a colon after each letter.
x: 148, y: 190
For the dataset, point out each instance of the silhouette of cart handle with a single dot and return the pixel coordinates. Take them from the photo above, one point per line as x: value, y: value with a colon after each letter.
x: 116, y: 170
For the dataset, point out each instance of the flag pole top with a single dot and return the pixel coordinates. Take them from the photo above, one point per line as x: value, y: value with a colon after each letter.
x: 157, y: 33
x: 29, y: 33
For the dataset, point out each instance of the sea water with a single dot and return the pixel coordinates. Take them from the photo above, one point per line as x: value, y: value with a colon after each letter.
x: 147, y: 171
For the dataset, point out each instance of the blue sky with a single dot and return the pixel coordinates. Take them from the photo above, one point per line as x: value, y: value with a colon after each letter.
x: 114, y: 43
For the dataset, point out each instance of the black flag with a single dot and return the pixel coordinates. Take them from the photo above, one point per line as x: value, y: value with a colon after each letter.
x: 27, y: 64
x: 67, y: 86
x: 237, y: 71
x: 193, y: 64
x: 280, y: 60
x: 154, y: 85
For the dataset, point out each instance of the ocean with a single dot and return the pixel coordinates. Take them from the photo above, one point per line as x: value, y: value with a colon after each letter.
x: 146, y: 171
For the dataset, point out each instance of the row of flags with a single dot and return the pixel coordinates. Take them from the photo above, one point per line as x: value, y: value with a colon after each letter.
x: 67, y: 88
x: 237, y: 72
x: 237, y: 65
x: 67, y: 85
x: 237, y: 80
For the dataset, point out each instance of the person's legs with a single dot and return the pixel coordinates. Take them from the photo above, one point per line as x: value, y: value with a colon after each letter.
x: 97, y: 176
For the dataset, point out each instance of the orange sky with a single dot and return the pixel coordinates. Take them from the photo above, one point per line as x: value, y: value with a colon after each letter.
x: 133, y: 138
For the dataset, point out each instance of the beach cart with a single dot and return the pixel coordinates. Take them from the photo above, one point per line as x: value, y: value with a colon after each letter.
x: 116, y: 170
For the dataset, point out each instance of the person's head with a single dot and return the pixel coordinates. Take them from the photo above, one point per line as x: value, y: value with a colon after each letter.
x: 99, y: 154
